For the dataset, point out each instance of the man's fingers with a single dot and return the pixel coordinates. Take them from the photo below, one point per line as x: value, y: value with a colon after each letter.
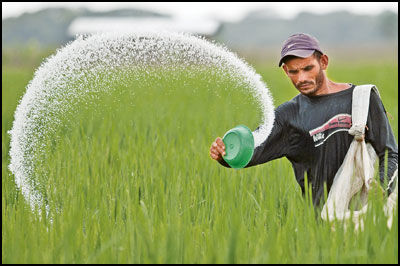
x: 217, y: 149
x: 214, y: 154
x: 221, y: 146
x: 214, y: 148
x: 220, y: 143
x: 221, y: 150
x: 214, y: 151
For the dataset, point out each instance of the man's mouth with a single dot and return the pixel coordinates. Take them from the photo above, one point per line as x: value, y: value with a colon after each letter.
x: 305, y: 86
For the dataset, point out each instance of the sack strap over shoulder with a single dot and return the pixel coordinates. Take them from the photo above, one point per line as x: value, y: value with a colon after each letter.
x: 360, y: 106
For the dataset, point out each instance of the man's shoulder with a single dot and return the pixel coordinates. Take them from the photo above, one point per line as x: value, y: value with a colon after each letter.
x: 290, y: 105
x: 287, y: 110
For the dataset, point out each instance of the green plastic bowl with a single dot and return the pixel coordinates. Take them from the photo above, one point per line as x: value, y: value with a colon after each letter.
x: 239, y: 146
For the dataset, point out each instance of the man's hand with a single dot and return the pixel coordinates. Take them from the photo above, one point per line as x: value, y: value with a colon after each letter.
x: 217, y: 149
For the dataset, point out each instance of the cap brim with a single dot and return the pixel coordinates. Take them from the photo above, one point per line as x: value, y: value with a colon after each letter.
x: 298, y: 53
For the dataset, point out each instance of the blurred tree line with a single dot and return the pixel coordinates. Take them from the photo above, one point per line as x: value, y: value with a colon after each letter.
x: 49, y: 27
x: 264, y: 28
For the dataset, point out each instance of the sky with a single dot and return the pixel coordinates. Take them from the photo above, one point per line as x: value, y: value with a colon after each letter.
x: 223, y: 11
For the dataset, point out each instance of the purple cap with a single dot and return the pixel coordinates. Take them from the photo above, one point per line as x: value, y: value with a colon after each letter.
x: 301, y: 45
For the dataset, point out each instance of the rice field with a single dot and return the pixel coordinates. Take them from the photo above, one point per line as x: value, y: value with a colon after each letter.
x: 130, y: 180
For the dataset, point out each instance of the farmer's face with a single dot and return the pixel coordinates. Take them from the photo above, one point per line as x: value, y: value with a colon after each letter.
x: 306, y: 74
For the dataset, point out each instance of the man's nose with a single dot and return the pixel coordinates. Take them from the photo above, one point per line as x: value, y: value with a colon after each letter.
x: 302, y: 77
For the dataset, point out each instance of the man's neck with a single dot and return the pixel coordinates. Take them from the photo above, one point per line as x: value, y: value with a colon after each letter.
x: 329, y: 87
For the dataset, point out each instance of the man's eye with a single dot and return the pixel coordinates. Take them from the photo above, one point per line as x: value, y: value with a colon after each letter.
x: 308, y: 68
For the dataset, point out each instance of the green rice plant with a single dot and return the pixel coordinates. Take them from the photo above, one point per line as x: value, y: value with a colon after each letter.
x: 130, y: 180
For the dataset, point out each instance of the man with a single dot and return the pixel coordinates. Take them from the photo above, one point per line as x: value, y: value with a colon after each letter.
x: 311, y: 130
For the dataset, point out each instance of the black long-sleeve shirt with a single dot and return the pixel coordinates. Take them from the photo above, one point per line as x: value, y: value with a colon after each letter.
x: 312, y: 132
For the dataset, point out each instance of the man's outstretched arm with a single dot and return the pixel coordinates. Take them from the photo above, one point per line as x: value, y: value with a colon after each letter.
x: 275, y: 146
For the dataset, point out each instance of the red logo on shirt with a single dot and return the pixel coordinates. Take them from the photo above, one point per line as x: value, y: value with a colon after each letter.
x: 340, y: 122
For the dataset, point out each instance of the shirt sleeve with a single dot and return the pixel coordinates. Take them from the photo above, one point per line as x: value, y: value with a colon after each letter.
x: 379, y: 133
x: 275, y: 146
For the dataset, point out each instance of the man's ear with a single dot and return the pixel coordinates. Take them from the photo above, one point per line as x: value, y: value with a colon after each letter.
x: 324, y: 61
x: 285, y: 69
